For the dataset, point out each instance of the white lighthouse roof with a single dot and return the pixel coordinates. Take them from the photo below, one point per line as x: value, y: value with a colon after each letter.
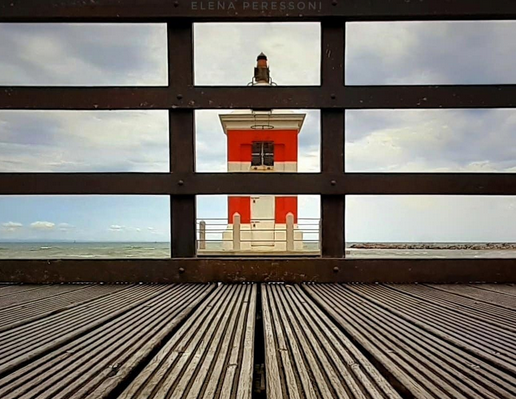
x: 278, y: 119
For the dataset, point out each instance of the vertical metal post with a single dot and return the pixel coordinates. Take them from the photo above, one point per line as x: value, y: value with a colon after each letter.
x: 332, y: 139
x: 182, y: 138
x: 202, y: 235
x: 290, y: 232
x: 236, y: 232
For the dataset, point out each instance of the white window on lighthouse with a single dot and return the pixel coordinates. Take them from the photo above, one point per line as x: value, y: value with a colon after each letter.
x: 262, y: 154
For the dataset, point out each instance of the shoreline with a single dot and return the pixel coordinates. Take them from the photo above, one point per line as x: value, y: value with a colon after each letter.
x: 437, y: 246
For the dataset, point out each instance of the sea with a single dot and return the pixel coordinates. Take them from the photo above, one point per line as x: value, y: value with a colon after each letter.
x: 161, y: 250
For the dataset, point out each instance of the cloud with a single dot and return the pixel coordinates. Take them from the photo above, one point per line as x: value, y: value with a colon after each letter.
x: 427, y: 218
x: 12, y: 227
x: 65, y: 227
x: 467, y: 52
x: 43, y: 226
x: 79, y: 54
x: 431, y: 140
x: 85, y: 141
x: 126, y: 229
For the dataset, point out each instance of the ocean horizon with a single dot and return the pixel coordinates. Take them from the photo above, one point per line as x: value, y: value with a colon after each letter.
x: 161, y: 250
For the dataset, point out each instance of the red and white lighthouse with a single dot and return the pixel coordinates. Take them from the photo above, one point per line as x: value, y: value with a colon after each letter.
x: 262, y: 141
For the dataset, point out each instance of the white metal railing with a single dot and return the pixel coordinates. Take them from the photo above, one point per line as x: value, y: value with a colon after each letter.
x: 217, y: 235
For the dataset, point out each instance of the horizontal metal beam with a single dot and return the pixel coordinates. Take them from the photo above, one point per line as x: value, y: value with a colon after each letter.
x: 432, y: 96
x: 257, y: 183
x: 430, y: 183
x: 83, y: 98
x: 291, y: 270
x: 160, y: 10
x: 85, y: 183
x: 308, y: 97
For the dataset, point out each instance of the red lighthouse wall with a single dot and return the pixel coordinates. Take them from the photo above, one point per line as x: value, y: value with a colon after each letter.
x: 240, y: 150
x: 242, y: 205
x: 240, y: 143
x: 283, y: 206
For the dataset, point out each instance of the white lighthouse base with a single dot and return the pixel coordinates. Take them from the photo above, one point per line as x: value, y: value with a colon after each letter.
x: 262, y: 240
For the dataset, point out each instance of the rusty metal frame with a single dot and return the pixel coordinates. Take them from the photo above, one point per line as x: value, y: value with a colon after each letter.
x: 163, y: 10
x: 181, y: 98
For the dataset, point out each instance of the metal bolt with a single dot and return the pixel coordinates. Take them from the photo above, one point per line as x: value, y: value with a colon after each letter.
x: 333, y: 96
x: 176, y: 3
x: 179, y: 96
x: 181, y: 182
x: 333, y: 182
x: 181, y: 270
x: 334, y: 2
x: 335, y: 269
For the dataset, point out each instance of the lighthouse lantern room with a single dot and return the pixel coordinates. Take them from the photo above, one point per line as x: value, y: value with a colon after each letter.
x: 262, y: 141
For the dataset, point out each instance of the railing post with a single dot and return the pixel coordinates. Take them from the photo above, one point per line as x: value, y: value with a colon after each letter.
x: 202, y: 235
x: 290, y: 232
x: 236, y: 232
x: 319, y: 235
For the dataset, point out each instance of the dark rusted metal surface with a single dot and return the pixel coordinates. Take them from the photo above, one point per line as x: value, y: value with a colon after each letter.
x: 159, y: 10
x: 291, y: 270
x: 210, y: 356
x: 85, y: 183
x: 307, y: 356
x: 336, y: 97
x: 325, y: 183
x: 442, y: 358
x: 332, y: 142
x: 183, y: 208
x: 182, y: 139
x: 98, y: 362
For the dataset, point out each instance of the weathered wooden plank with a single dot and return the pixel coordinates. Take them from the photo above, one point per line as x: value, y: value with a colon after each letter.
x: 421, y: 363
x: 491, y: 342
x: 210, y: 356
x: 483, y: 296
x: 485, y: 312
x: 98, y: 363
x: 308, y: 356
x: 37, y: 307
x: 41, y: 293
x: 29, y: 341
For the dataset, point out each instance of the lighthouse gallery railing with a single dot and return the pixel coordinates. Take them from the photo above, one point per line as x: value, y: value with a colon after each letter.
x: 181, y: 98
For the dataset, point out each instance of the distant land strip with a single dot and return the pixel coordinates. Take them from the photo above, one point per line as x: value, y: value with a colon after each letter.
x: 441, y: 246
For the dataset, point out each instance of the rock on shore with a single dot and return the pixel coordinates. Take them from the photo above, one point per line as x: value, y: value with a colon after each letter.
x: 462, y: 246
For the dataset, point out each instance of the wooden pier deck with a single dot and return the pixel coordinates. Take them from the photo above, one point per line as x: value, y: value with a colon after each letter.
x: 257, y: 341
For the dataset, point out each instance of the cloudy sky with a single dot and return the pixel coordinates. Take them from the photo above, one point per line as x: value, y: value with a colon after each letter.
x: 225, y: 54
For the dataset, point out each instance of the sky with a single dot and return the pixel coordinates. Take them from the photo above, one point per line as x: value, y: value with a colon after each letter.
x: 225, y: 54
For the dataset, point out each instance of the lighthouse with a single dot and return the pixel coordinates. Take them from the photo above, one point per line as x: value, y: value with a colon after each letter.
x: 262, y: 141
